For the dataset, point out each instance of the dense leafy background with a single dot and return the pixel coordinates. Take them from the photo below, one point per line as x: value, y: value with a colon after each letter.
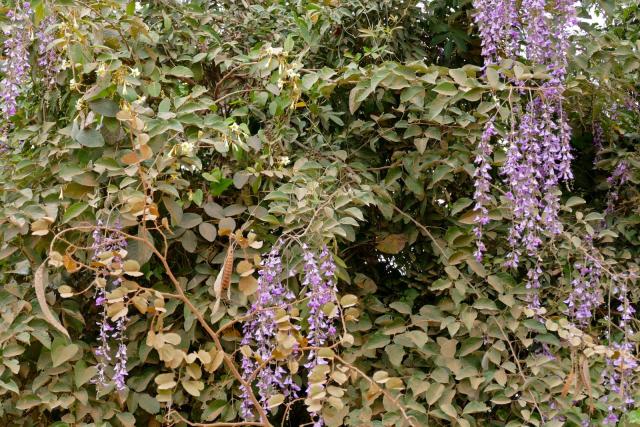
x: 348, y: 122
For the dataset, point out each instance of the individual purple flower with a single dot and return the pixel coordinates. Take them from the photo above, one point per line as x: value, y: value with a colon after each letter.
x: 260, y: 333
x: 15, y: 67
x: 482, y: 184
x: 612, y: 418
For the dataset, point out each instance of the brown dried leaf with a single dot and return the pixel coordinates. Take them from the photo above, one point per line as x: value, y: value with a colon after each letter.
x: 70, y: 264
x: 392, y: 244
x: 130, y: 158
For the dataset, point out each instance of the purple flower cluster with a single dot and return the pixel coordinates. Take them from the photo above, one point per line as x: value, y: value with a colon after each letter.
x: 618, y: 178
x: 321, y: 284
x: 539, y: 154
x: 538, y: 159
x: 105, y: 242
x: 537, y: 32
x: 482, y: 183
x: 585, y: 294
x: 15, y: 68
x: 103, y: 352
x: 497, y: 21
x: 261, y: 332
x: 48, y: 58
x: 619, y: 373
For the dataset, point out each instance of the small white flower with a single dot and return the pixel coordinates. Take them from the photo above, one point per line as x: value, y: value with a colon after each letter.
x: 284, y: 160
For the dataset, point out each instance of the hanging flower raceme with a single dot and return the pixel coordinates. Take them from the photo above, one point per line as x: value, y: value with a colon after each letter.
x: 538, y: 155
x: 497, y: 21
x: 15, y: 67
x: 482, y: 183
x: 260, y: 337
x: 618, y: 178
x: 621, y: 363
x: 585, y: 294
x: 109, y: 247
x: 48, y: 58
x: 319, y: 278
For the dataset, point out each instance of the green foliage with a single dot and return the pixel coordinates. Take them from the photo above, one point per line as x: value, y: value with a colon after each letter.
x: 331, y: 121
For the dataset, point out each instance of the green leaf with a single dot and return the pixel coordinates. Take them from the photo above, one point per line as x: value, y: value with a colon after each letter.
x: 104, y: 107
x: 634, y: 416
x: 181, y: 71
x: 376, y: 340
x: 217, y: 188
x: 574, y: 201
x: 90, y: 138
x: 396, y: 354
x: 534, y: 325
x: 475, y: 407
x: 62, y: 351
x: 493, y: 78
x: 148, y: 403
x: 73, y: 211
x: 153, y: 89
x: 441, y: 172
x: 459, y: 75
x: 460, y: 204
x: 446, y: 88
x: 414, y: 94
x: 82, y: 374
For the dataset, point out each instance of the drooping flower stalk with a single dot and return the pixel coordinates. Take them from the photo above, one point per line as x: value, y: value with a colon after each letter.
x: 321, y: 284
x: 15, y: 67
x: 110, y: 244
x: 537, y: 31
x: 618, y: 178
x: 48, y: 58
x: 539, y: 154
x: 482, y: 183
x: 497, y: 21
x: 621, y: 362
x: 120, y: 369
x: 103, y: 352
x: 261, y: 333
x: 585, y: 294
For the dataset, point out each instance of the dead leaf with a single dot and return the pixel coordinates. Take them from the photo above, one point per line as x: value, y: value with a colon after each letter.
x: 392, y: 244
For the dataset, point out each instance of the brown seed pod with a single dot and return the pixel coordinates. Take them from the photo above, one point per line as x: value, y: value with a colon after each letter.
x: 227, y: 267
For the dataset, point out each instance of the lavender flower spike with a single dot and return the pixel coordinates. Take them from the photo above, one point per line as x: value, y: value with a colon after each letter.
x: 16, y: 65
